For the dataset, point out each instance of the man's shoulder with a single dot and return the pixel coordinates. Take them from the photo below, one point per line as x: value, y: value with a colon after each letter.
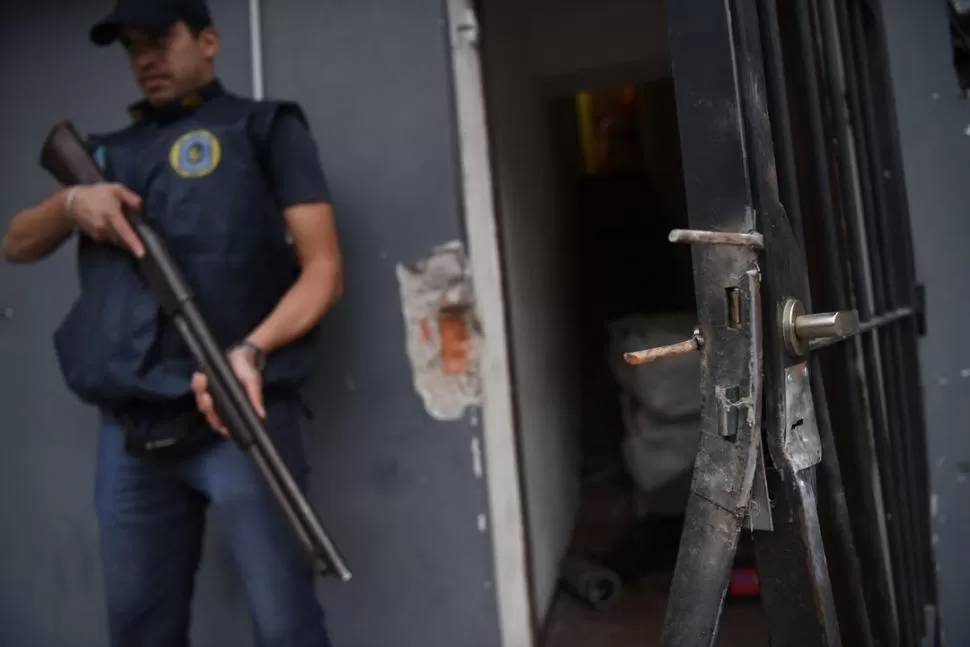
x: 241, y: 102
x: 264, y: 114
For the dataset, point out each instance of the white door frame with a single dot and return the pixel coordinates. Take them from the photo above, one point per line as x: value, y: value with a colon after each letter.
x: 503, y: 483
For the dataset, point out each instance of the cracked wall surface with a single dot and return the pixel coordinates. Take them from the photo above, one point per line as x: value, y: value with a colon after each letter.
x: 443, y: 334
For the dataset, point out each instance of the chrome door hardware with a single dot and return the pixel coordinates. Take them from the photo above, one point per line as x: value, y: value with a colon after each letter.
x: 799, y: 328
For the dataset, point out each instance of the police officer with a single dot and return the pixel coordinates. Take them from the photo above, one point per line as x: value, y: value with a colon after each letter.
x: 235, y: 188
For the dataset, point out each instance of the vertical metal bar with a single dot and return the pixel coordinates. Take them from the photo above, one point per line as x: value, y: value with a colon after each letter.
x: 725, y: 462
x: 837, y: 528
x: 873, y: 69
x: 881, y: 87
x: 789, y: 600
x: 854, y: 617
x: 792, y: 561
x: 868, y: 516
x: 882, y: 284
x: 857, y: 155
x: 718, y: 185
x: 814, y: 111
x: 870, y: 347
x: 892, y: 343
x: 906, y: 335
x: 891, y: 239
x: 708, y: 545
x: 778, y: 110
x: 890, y: 245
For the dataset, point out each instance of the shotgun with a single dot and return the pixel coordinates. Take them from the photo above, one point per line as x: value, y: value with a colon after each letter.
x: 66, y: 158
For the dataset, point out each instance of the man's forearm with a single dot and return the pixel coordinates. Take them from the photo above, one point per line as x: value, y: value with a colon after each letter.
x: 37, y: 232
x: 317, y: 289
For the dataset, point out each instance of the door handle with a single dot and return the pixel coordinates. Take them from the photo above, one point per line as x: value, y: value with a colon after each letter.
x: 799, y: 328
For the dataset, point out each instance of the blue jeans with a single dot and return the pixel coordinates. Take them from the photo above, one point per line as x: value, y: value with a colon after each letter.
x: 152, y: 516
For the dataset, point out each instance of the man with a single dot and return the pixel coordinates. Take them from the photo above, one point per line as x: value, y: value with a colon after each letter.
x: 235, y: 188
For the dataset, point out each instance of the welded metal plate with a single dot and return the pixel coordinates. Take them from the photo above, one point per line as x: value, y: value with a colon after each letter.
x: 801, y: 444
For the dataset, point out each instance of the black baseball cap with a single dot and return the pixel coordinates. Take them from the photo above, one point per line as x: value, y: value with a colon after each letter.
x: 153, y: 16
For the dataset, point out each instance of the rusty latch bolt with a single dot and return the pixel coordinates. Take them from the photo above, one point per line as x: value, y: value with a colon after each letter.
x: 652, y: 354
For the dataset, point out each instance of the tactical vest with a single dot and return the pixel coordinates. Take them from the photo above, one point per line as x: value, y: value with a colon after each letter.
x: 199, y: 167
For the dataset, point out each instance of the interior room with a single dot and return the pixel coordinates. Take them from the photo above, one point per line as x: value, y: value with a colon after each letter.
x: 586, y: 167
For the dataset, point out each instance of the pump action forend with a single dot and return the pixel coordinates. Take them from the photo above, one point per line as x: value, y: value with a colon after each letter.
x: 66, y: 158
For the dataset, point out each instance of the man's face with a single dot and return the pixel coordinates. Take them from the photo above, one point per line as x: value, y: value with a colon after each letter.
x: 170, y: 64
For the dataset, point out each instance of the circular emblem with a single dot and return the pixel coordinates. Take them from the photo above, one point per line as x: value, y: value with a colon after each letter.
x: 195, y: 154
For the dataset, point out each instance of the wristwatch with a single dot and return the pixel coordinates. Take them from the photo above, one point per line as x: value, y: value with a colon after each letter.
x: 259, y: 357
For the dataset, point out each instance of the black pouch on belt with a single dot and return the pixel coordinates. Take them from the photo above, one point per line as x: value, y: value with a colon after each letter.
x: 165, y: 431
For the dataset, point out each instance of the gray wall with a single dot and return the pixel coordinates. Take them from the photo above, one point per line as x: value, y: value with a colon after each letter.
x: 933, y: 123
x: 397, y: 489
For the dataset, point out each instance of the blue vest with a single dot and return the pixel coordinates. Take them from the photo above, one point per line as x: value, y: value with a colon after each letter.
x: 199, y: 167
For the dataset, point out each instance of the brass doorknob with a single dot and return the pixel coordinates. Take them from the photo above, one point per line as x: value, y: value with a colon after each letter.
x: 799, y: 328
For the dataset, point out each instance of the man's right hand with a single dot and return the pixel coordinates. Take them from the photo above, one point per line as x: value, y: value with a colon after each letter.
x: 97, y: 210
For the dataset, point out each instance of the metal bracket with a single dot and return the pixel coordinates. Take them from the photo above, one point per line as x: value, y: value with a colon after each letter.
x: 800, y: 441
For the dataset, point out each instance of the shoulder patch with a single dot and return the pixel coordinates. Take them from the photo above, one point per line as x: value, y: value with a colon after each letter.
x: 195, y: 154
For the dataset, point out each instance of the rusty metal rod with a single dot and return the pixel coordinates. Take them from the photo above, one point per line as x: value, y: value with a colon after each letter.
x: 648, y: 355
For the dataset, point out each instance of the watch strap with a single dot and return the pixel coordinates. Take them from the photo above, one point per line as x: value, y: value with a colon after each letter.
x: 258, y: 353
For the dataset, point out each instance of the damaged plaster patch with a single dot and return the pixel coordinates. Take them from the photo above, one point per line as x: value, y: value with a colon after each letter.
x: 443, y: 332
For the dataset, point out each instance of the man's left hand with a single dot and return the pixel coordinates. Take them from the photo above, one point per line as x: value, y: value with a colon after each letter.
x: 243, y: 363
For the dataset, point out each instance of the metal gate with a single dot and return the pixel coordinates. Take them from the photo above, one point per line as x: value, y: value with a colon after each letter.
x: 812, y: 434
